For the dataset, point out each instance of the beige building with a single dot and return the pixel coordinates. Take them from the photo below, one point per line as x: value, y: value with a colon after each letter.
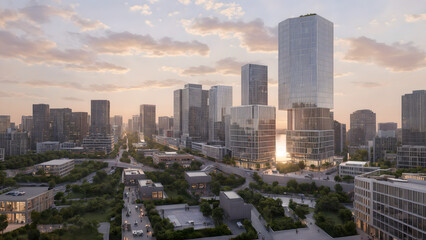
x: 58, y: 167
x: 173, y: 157
x: 18, y: 204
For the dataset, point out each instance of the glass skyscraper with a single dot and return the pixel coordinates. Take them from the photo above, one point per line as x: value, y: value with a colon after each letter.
x: 254, y: 84
x: 147, y: 120
x: 363, y: 127
x: 305, y: 63
x: 220, y: 102
x: 414, y: 118
x: 41, y: 128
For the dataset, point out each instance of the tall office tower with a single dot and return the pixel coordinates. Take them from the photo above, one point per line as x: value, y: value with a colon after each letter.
x: 385, y: 141
x: 339, y: 137
x: 147, y: 120
x: 163, y: 125
x: 220, y: 102
x: 177, y: 113
x: 100, y: 121
x: 60, y: 119
x: 130, y: 125
x: 191, y: 112
x: 4, y: 123
x: 27, y: 123
x: 252, y: 135
x: 136, y: 123
x: 254, y: 84
x: 387, y: 129
x: 388, y: 207
x: 117, y: 126
x: 414, y: 118
x: 14, y: 142
x: 117, y: 120
x: 305, y: 63
x: 79, y: 127
x: 41, y: 123
x: 363, y: 127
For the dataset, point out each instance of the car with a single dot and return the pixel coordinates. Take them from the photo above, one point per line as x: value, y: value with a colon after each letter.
x: 136, y: 207
x: 307, y: 176
x: 140, y: 232
x: 136, y: 222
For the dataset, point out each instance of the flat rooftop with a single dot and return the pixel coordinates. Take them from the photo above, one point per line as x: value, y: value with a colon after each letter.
x: 231, y: 195
x: 383, y: 176
x: 149, y: 183
x: 56, y: 162
x: 133, y: 171
x: 196, y: 174
x: 354, y: 163
x: 23, y: 193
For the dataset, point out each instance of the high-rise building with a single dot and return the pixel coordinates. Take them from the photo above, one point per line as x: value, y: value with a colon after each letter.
x: 163, y: 125
x: 177, y: 113
x: 117, y: 126
x: 220, y: 102
x: 305, y: 71
x: 147, y: 120
x: 387, y: 207
x: 252, y: 135
x: 130, y: 125
x: 100, y: 120
x: 136, y: 123
x: 117, y: 120
x: 383, y: 145
x: 14, y: 143
x: 414, y: 118
x: 60, y: 119
x: 339, y: 137
x: 27, y: 123
x: 387, y: 129
x: 4, y: 123
x: 79, y: 127
x: 41, y: 123
x: 254, y: 84
x: 363, y: 127
x: 411, y: 156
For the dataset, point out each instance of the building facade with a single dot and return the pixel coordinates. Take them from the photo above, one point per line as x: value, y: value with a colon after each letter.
x: 149, y: 190
x: 383, y: 145
x: 164, y: 124
x: 234, y: 206
x: 132, y: 176
x: 363, y: 127
x: 254, y: 84
x: 169, y: 158
x: 41, y: 122
x: 60, y: 119
x: 220, y: 102
x: 48, y: 146
x: 339, y: 137
x: 4, y: 123
x: 252, y: 135
x: 27, y: 123
x: 414, y: 118
x: 79, y: 126
x: 100, y: 117
x: 199, y: 182
x: 14, y: 143
x: 147, y: 120
x: 410, y: 156
x: 354, y: 168
x: 58, y: 167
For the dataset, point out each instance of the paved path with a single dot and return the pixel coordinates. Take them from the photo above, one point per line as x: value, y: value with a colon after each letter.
x: 104, y: 229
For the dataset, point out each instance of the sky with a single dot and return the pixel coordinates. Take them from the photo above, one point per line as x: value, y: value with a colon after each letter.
x: 65, y: 53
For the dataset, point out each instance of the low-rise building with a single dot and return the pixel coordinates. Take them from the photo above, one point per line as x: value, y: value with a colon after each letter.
x: 199, y: 182
x: 169, y: 158
x: 354, y: 168
x: 410, y: 156
x: 214, y: 151
x: 132, y: 176
x: 149, y: 190
x: 47, y: 146
x: 148, y: 152
x: 99, y: 143
x: 58, y: 167
x: 18, y: 204
x: 234, y: 206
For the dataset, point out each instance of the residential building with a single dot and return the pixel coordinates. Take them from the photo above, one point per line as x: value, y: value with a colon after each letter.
x: 18, y: 204
x: 48, y: 146
x: 148, y: 190
x: 410, y: 156
x: 132, y: 176
x: 27, y: 123
x: 100, y: 117
x: 169, y: 158
x: 252, y: 135
x: 339, y: 137
x: 254, y: 84
x: 147, y: 120
x: 117, y: 127
x: 14, y: 142
x: 383, y: 145
x: 387, y: 207
x: 41, y: 124
x: 199, y: 182
x: 136, y: 119
x: 354, y: 168
x: 57, y: 167
x: 363, y: 127
x: 305, y: 85
x: 79, y: 126
x: 99, y: 143
x: 220, y: 102
x: 164, y: 124
x: 4, y: 123
x: 60, y: 119
x: 234, y: 206
x: 414, y: 118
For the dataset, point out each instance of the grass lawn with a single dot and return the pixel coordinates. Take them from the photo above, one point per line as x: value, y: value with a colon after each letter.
x: 333, y: 216
x: 100, y: 216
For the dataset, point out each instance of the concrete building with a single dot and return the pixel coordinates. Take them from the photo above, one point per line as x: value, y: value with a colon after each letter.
x: 354, y: 168
x: 27, y: 123
x: 99, y: 143
x: 234, y: 206
x: 220, y: 102
x: 414, y: 118
x: 363, y: 127
x: 47, y: 146
x: 60, y: 119
x: 147, y: 120
x: 18, y: 204
x: 254, y: 84
x: 4, y: 123
x: 132, y: 176
x: 177, y: 113
x: 79, y: 127
x: 387, y: 129
x: 388, y: 208
x: 14, y: 143
x: 410, y: 156
x: 58, y: 167
x: 149, y: 190
x: 305, y: 71
x: 169, y: 158
x: 164, y: 124
x: 199, y: 182
x: 41, y: 124
x: 252, y: 135
x: 383, y: 145
x: 100, y: 138
x: 136, y: 119
x: 339, y: 137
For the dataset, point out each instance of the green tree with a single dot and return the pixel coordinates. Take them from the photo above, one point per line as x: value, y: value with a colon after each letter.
x: 3, y: 222
x: 338, y: 188
x: 217, y: 215
x: 52, y: 184
x: 337, y: 178
x: 205, y: 208
x: 301, y: 164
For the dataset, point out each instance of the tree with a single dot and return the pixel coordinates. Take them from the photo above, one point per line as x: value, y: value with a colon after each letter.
x: 52, y: 184
x: 3, y: 222
x: 337, y: 178
x: 217, y: 215
x: 338, y: 188
x: 301, y: 164
x: 312, y: 166
x: 345, y: 214
x: 205, y: 208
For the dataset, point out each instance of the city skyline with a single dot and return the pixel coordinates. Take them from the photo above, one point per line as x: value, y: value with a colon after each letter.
x: 203, y: 49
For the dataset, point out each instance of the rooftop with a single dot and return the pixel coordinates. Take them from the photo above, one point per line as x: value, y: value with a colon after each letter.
x: 354, y: 163
x: 385, y: 175
x: 149, y: 183
x: 133, y: 171
x: 23, y: 193
x: 231, y: 195
x: 196, y: 174
x: 57, y: 162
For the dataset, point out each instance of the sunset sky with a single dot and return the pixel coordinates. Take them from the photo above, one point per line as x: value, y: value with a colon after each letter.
x: 65, y: 53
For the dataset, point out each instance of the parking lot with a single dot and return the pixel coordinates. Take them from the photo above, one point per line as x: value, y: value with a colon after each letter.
x: 183, y: 216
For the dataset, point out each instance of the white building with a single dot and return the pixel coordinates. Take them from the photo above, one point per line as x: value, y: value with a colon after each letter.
x: 58, y: 167
x: 354, y: 168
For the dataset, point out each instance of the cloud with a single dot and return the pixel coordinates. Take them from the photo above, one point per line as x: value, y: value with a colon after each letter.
x: 73, y: 99
x: 226, y: 66
x: 143, y: 9
x: 185, y: 2
x: 398, y: 57
x: 8, y: 15
x: 45, y: 52
x: 86, y: 24
x: 42, y: 13
x: 9, y: 94
x: 415, y: 17
x: 340, y: 75
x: 149, y: 23
x: 173, y: 13
x: 153, y: 1
x: 125, y: 43
x: 254, y: 35
x: 367, y: 84
x: 230, y: 10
